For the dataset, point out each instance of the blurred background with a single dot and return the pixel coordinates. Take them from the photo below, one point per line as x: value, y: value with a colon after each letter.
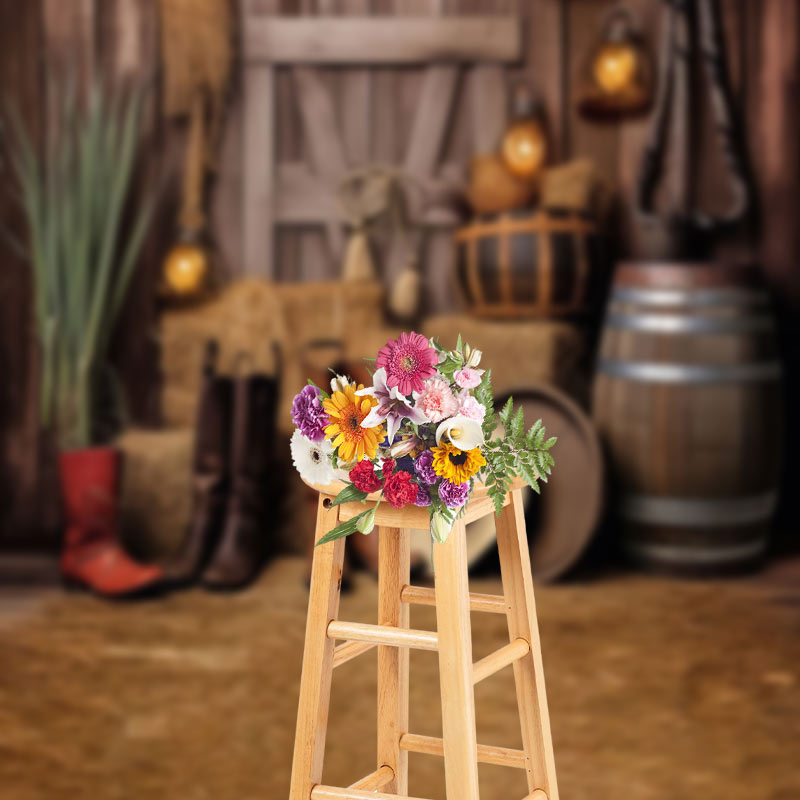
x: 205, y: 202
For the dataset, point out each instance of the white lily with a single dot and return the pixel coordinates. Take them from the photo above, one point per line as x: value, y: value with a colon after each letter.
x: 440, y: 528
x: 462, y: 432
x: 366, y: 522
x: 392, y: 407
x: 339, y: 382
x: 474, y: 358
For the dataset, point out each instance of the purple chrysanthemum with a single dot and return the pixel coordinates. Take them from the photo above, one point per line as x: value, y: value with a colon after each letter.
x: 423, y: 498
x: 308, y: 414
x: 423, y: 466
x: 454, y: 495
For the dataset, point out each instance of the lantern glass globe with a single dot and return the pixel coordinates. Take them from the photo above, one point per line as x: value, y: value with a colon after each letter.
x: 186, y: 268
x: 615, y: 67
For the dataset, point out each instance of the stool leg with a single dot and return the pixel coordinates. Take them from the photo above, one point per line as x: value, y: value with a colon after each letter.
x: 394, y: 557
x: 315, y: 682
x: 515, y: 565
x: 455, y: 666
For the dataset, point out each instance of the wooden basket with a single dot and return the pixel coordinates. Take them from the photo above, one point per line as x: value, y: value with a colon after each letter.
x: 528, y: 263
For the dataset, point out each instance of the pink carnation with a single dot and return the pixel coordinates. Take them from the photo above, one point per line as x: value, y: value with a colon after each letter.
x: 437, y: 400
x: 469, y: 407
x: 468, y: 378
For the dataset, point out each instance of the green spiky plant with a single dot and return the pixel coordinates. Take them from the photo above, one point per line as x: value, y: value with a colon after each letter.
x: 83, y: 241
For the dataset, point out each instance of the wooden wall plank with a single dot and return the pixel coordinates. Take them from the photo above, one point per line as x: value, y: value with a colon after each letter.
x: 259, y: 195
x: 635, y: 238
x: 25, y: 487
x: 356, y: 98
x: 777, y: 137
x: 596, y: 140
x: 324, y: 143
x: 546, y: 54
x: 489, y: 106
x: 366, y: 40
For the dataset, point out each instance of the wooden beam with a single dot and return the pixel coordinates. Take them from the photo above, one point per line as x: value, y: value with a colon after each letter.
x: 305, y: 200
x: 375, y: 41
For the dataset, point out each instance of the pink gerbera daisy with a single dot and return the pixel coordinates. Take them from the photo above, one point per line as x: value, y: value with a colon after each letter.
x: 408, y: 361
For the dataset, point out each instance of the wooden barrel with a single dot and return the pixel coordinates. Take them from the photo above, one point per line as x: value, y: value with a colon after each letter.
x: 687, y: 399
x: 525, y: 263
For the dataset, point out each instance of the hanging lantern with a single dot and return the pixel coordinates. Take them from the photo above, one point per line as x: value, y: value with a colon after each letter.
x: 618, y: 76
x: 186, y: 267
x: 524, y: 144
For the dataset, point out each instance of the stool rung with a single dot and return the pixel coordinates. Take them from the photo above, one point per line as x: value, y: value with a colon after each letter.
x: 487, y: 754
x: 383, y: 634
x: 334, y: 793
x: 375, y: 780
x: 494, y: 662
x: 423, y: 596
x: 348, y: 651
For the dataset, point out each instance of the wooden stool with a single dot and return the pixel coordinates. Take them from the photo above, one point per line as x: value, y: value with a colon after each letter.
x: 453, y: 641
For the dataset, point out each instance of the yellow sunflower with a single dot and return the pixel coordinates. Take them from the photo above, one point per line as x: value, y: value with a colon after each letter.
x: 457, y: 466
x: 346, y: 412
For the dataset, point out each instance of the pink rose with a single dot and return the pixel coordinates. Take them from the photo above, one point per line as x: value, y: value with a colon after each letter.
x: 469, y: 407
x: 468, y: 378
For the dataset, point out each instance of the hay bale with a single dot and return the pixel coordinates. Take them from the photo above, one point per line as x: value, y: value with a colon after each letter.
x: 252, y: 316
x: 156, y: 491
x: 245, y: 318
x: 518, y: 352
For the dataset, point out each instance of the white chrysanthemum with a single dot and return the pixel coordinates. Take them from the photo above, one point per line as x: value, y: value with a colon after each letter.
x: 312, y: 459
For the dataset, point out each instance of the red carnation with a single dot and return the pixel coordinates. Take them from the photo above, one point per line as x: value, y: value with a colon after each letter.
x: 399, y: 490
x: 388, y: 467
x: 364, y: 478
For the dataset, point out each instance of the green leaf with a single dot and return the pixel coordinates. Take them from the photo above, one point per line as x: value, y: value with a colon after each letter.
x: 340, y: 531
x: 550, y: 442
x: 508, y: 410
x: 534, y: 429
x: 348, y: 495
x: 518, y: 424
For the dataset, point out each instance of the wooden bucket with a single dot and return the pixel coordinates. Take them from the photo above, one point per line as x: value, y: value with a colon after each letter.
x: 525, y: 263
x: 687, y: 398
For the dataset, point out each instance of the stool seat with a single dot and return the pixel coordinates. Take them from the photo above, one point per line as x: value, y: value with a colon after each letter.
x: 413, y: 517
x: 393, y: 636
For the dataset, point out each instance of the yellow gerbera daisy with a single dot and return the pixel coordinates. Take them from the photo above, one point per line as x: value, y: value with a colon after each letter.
x: 346, y: 412
x: 457, y: 466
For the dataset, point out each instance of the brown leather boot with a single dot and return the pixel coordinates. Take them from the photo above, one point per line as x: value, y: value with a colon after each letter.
x: 245, y: 542
x: 211, y: 474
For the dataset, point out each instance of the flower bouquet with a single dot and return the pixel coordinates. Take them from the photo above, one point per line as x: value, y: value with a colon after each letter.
x: 422, y: 434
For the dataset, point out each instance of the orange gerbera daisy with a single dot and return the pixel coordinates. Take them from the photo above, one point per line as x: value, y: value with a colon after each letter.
x: 346, y: 412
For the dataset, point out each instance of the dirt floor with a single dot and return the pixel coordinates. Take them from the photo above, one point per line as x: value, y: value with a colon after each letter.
x: 658, y: 690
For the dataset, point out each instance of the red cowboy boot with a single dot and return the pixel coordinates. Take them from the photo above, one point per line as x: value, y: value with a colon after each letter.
x: 91, y: 555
